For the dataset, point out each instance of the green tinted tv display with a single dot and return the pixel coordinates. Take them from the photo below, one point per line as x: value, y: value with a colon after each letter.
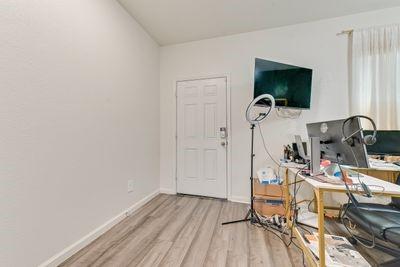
x: 289, y: 85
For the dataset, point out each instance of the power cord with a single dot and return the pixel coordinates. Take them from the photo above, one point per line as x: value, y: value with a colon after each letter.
x: 358, y: 209
x: 268, y: 227
x: 265, y: 146
x: 309, y: 203
x: 294, y: 220
x: 279, y: 164
x: 294, y: 200
x: 367, y: 191
x: 288, y: 114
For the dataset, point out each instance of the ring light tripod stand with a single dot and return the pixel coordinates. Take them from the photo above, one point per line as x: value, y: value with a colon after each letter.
x: 268, y: 102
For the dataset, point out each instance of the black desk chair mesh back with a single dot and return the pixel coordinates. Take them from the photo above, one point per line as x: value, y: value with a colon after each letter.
x: 382, y: 220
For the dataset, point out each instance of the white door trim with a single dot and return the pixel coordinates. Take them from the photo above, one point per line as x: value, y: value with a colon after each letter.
x: 228, y: 122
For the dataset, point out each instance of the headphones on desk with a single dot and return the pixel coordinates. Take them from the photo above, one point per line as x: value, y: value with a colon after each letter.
x: 367, y: 140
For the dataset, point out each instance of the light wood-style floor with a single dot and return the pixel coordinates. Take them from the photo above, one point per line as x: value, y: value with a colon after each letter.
x: 186, y: 231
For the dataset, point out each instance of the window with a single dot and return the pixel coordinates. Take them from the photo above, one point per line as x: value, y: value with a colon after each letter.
x: 375, y: 84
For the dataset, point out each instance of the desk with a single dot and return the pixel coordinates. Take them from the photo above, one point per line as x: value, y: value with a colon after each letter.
x: 381, y: 170
x: 319, y: 189
x: 386, y: 175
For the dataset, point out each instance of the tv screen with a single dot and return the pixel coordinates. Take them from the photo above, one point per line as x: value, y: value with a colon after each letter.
x: 387, y: 143
x: 289, y: 85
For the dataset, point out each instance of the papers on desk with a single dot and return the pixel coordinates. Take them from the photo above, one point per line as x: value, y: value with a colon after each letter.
x: 382, y: 165
x: 326, y: 179
x: 289, y: 164
x: 338, y: 251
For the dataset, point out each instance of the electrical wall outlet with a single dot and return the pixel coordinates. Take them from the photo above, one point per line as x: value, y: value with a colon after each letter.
x: 130, y: 186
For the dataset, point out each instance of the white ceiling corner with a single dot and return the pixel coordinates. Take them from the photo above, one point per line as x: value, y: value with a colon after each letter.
x: 178, y: 21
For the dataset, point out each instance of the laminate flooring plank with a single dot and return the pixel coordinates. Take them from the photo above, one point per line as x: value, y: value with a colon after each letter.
x: 197, y: 252
x: 295, y: 255
x: 238, y: 251
x: 186, y: 231
x: 156, y: 254
x: 279, y: 252
x: 192, y: 206
x: 183, y: 239
x: 117, y: 233
x: 172, y: 229
x: 137, y: 243
x: 260, y: 252
x: 217, y: 252
x: 183, y: 234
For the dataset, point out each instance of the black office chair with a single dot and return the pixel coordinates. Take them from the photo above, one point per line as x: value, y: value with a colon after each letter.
x: 382, y: 220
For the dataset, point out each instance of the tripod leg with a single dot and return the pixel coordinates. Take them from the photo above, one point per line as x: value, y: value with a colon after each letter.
x: 247, y: 218
x: 254, y: 218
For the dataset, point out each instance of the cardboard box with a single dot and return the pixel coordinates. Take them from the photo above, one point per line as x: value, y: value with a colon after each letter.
x: 267, y: 209
x: 269, y: 190
x: 269, y: 199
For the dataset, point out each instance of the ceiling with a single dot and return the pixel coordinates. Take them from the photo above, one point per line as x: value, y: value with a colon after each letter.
x: 178, y: 21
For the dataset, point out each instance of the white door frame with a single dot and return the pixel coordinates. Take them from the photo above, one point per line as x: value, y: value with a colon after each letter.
x: 228, y: 125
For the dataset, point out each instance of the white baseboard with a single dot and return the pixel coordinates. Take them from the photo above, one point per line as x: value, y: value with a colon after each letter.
x: 167, y: 191
x: 238, y: 199
x: 86, y: 240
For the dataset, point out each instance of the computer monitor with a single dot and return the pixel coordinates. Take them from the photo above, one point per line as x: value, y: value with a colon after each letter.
x: 332, y: 147
x: 387, y: 143
x: 301, y: 147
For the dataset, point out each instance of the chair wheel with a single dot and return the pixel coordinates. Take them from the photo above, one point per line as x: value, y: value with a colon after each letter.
x: 352, y: 240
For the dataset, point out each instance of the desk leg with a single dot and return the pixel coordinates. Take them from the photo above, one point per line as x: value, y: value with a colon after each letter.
x: 287, y: 197
x: 321, y: 228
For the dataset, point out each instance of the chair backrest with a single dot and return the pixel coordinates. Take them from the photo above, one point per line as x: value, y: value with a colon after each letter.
x: 396, y: 200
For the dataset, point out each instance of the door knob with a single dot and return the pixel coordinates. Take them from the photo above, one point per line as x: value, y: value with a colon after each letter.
x: 223, y: 143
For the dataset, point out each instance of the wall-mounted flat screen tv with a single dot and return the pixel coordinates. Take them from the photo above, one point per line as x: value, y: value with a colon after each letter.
x: 289, y: 85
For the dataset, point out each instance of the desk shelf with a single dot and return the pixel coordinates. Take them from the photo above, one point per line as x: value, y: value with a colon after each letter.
x: 319, y: 189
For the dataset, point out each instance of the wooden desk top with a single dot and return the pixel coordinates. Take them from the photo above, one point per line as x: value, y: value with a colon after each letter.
x: 380, y: 165
x: 377, y: 186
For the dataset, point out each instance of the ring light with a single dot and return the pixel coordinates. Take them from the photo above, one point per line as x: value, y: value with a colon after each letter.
x: 252, y: 214
x: 262, y: 116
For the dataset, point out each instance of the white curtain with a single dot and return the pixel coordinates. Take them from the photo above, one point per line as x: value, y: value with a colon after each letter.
x: 375, y: 72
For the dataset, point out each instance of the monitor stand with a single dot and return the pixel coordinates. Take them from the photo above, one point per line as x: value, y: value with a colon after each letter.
x: 315, y: 145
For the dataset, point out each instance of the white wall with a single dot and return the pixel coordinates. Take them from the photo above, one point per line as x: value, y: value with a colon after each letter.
x: 75, y: 122
x: 314, y: 45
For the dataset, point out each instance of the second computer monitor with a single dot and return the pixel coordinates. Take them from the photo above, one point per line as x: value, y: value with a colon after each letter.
x: 332, y: 147
x: 388, y: 143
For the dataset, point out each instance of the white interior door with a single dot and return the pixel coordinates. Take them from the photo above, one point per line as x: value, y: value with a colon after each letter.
x: 202, y: 137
